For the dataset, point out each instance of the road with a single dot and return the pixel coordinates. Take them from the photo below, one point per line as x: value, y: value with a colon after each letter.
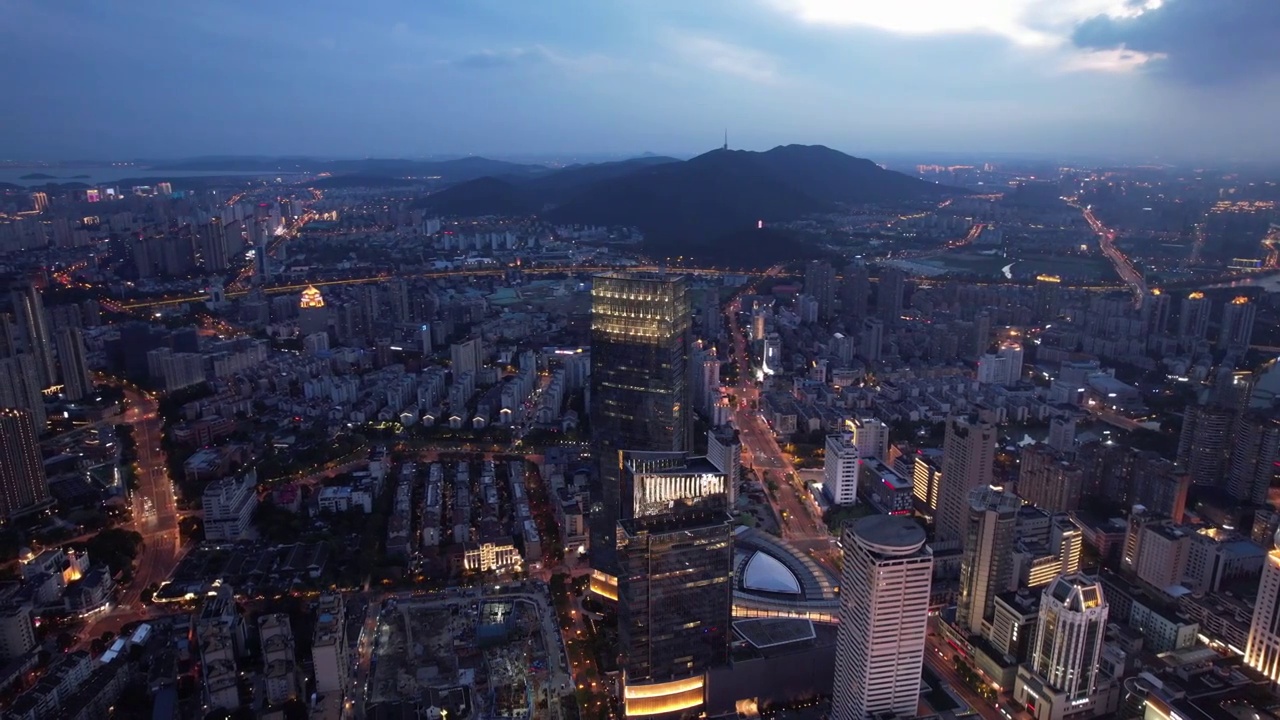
x: 800, y: 518
x: 938, y: 655
x: 481, y: 271
x: 155, y: 516
x: 1124, y: 267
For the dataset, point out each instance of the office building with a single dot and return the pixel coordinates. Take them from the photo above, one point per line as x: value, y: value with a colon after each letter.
x: 840, y: 470
x: 1255, y: 449
x: 890, y: 294
x: 820, y: 282
x: 968, y: 458
x: 23, y: 487
x: 675, y: 580
x: 77, y: 382
x: 926, y: 475
x: 1063, y: 675
x: 986, y: 567
x: 20, y: 387
x: 870, y: 437
x: 28, y: 306
x: 1048, y: 481
x: 639, y: 386
x: 1263, y: 651
x: 1014, y: 616
x: 313, y: 316
x: 884, y: 616
x: 1237, y: 324
x: 724, y: 450
x: 1155, y: 550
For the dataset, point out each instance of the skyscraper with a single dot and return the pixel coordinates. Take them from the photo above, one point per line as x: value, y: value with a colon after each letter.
x: 889, y: 295
x: 1237, y: 324
x: 872, y: 339
x: 675, y: 570
x: 28, y: 305
x: 1193, y: 318
x: 20, y: 387
x: 854, y: 291
x: 968, y: 459
x: 1263, y: 651
x: 820, y: 282
x: 639, y: 387
x: 1255, y: 448
x: 465, y: 357
x: 1063, y: 672
x: 23, y: 487
x: 1203, y: 444
x: 1047, y: 480
x: 74, y: 368
x: 986, y: 568
x: 884, y: 616
x: 313, y: 316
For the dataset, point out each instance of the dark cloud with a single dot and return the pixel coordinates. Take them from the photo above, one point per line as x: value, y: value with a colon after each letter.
x: 515, y: 57
x: 1207, y: 42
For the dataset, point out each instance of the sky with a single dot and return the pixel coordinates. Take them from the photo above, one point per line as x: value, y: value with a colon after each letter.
x: 1141, y: 79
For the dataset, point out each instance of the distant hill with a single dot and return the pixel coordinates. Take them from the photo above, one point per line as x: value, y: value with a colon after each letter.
x: 707, y: 206
x: 483, y: 196
x: 528, y: 194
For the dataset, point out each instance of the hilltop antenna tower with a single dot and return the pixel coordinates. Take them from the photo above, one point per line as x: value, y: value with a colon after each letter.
x: 726, y: 139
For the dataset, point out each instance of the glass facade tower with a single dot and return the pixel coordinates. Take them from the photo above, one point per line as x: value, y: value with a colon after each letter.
x: 639, y: 387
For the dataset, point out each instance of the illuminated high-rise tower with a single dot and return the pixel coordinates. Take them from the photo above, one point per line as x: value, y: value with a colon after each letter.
x: 639, y: 388
x: 76, y: 380
x: 23, y: 487
x: 675, y: 572
x: 884, y: 617
x: 1263, y: 651
x: 28, y: 305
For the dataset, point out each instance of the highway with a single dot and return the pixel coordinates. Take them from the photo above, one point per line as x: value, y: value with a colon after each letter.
x: 800, y: 519
x: 1124, y: 267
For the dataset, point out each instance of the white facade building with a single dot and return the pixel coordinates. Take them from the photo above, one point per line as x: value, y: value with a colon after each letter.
x: 840, y: 470
x: 884, y: 615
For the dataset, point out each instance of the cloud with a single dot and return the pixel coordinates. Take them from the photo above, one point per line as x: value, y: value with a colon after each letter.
x: 531, y: 57
x: 725, y: 57
x: 1033, y: 23
x: 1201, y: 42
x: 1115, y: 61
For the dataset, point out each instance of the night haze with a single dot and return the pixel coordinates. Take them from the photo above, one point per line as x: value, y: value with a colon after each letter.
x: 1178, y: 79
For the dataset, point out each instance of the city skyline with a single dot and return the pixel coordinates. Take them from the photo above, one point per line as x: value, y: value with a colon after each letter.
x: 1181, y: 79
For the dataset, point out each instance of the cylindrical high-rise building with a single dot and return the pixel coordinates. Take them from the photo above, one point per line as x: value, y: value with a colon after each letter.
x: 884, y: 615
x: 1255, y: 448
x: 1263, y: 651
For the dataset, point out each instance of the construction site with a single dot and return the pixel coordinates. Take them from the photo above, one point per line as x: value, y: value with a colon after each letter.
x: 485, y: 659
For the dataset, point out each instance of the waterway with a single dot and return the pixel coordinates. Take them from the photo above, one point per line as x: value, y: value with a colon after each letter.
x: 100, y: 175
